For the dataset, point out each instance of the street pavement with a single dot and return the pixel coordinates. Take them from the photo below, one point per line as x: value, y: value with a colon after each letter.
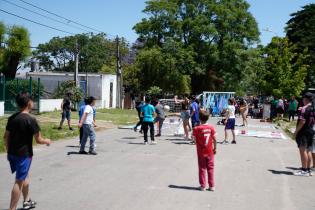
x: 255, y: 174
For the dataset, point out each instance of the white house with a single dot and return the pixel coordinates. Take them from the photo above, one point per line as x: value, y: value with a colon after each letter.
x: 101, y: 86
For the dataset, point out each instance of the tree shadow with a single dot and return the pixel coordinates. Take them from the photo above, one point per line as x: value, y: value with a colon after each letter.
x: 184, y: 187
x: 288, y: 173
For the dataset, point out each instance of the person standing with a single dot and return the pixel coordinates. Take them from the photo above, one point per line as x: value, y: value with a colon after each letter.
x: 18, y: 139
x: 244, y: 111
x: 147, y: 112
x: 206, y: 143
x: 160, y: 117
x: 304, y: 134
x: 280, y: 108
x: 88, y: 124
x: 293, y: 104
x: 185, y: 116
x: 194, y: 113
x: 66, y: 111
x: 230, y: 122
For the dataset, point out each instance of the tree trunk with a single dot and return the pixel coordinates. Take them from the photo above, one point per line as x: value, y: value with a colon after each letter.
x: 11, y: 69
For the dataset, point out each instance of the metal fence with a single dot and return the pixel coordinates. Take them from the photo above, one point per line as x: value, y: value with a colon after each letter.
x: 9, y: 88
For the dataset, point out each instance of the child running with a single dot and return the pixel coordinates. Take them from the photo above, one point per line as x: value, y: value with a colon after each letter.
x: 18, y: 139
x: 206, y: 143
x: 230, y: 122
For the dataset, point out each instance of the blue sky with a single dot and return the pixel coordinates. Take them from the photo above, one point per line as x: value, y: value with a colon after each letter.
x: 117, y: 17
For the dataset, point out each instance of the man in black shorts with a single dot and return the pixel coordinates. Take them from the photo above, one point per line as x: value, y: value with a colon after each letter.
x: 66, y: 111
x: 304, y: 134
x: 18, y: 138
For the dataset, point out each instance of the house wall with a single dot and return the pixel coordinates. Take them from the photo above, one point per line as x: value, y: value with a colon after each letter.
x: 49, y: 105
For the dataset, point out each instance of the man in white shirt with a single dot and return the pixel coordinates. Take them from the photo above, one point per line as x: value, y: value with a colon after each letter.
x: 88, y: 124
x: 230, y: 122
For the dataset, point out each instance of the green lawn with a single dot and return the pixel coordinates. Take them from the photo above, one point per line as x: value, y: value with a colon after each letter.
x: 49, y: 122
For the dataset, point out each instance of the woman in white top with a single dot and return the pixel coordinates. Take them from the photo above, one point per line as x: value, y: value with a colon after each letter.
x: 230, y: 121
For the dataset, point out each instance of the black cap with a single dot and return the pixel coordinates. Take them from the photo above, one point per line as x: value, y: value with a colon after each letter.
x: 308, y: 95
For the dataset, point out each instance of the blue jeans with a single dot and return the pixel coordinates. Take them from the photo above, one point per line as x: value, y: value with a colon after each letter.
x: 88, y: 131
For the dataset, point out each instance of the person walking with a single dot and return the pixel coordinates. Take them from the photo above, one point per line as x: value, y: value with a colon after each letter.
x: 18, y: 139
x: 293, y: 104
x: 160, y: 117
x: 206, y: 143
x: 304, y: 134
x: 88, y: 124
x: 147, y: 112
x: 230, y: 122
x: 66, y: 111
x: 138, y: 108
x: 185, y: 116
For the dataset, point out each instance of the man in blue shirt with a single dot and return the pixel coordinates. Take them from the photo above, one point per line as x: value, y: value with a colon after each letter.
x: 147, y: 112
x: 194, y: 110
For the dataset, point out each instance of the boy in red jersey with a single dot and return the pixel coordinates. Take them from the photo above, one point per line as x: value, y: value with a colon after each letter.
x: 206, y: 143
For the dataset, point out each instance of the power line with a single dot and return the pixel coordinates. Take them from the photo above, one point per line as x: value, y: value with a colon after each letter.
x: 67, y: 19
x: 41, y: 24
x: 37, y: 13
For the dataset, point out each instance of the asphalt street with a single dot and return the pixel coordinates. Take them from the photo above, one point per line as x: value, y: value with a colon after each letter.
x: 254, y: 174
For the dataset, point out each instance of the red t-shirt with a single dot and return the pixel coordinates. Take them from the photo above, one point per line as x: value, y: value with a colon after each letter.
x: 204, y: 135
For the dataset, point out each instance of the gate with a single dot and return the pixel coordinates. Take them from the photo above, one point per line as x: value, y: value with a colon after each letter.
x: 9, y: 88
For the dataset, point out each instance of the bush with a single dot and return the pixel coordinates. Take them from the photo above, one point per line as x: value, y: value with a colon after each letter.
x: 68, y: 86
x: 15, y: 86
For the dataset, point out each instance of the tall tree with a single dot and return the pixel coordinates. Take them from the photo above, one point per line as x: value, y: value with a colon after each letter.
x: 285, y: 69
x: 301, y: 31
x: 216, y: 33
x: 15, y: 47
x: 97, y: 53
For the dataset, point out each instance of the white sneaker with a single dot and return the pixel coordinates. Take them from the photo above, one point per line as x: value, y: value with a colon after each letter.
x: 153, y: 143
x: 145, y: 143
x: 212, y: 189
x: 202, y: 189
x: 301, y: 173
x: 225, y: 142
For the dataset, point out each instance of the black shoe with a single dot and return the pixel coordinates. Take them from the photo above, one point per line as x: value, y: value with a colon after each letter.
x: 29, y: 204
x: 83, y: 153
x: 135, y: 129
x: 59, y: 128
x: 158, y: 135
x: 233, y: 142
x: 92, y: 153
x: 71, y: 129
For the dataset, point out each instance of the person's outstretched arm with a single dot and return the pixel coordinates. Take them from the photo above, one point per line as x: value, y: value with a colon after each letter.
x: 40, y: 140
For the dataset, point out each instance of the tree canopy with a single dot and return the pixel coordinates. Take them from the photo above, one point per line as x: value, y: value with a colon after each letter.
x: 207, y: 38
x: 97, y: 53
x: 14, y: 48
x: 301, y: 31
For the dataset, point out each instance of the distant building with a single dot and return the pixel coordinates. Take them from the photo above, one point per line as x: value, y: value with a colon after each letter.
x: 101, y: 86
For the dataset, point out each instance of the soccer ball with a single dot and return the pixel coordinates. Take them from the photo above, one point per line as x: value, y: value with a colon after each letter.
x: 167, y: 108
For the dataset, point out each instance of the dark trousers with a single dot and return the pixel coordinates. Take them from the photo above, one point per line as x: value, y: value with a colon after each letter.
x: 140, y: 123
x: 291, y: 114
x: 145, y: 127
x: 81, y: 134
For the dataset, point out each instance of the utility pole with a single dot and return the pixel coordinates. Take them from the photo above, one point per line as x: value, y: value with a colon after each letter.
x: 76, y: 72
x: 118, y: 74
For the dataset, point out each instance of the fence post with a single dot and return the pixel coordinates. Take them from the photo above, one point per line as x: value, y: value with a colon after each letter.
x: 30, y: 86
x: 38, y: 93
x: 3, y: 87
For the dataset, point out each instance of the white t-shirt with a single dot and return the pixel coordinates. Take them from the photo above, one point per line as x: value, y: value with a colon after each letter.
x: 89, y: 118
x: 231, y: 110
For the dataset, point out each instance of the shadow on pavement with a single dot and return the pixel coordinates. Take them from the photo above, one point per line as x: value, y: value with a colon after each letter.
x: 293, y: 168
x: 129, y: 138
x: 180, y: 143
x: 289, y: 173
x: 74, y: 153
x: 135, y: 143
x: 71, y: 146
x: 183, y: 187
